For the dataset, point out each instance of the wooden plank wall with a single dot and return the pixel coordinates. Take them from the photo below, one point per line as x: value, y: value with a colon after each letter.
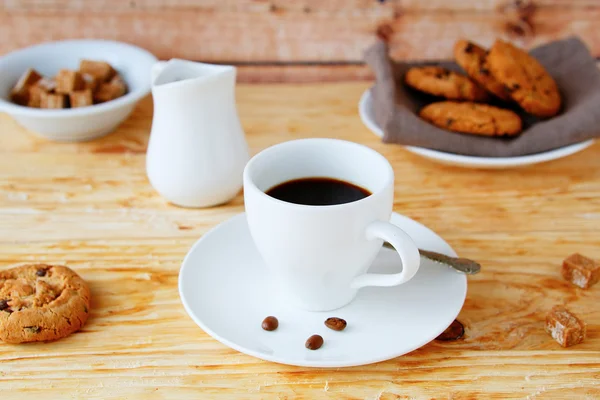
x: 297, y: 39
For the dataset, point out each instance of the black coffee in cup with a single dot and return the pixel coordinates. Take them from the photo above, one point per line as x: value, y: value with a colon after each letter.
x: 318, y: 191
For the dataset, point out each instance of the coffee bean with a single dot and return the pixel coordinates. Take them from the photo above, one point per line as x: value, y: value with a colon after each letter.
x: 337, y: 324
x: 270, y: 323
x: 3, y: 305
x: 314, y: 342
x: 40, y: 272
x: 455, y: 331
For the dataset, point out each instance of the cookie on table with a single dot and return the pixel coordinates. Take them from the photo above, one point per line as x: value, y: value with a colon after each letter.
x: 40, y: 302
x: 472, y: 58
x: 527, y: 81
x: 474, y: 118
x: 442, y: 82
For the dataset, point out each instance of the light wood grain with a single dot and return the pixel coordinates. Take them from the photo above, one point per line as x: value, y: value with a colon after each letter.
x: 263, y: 73
x: 308, y: 31
x: 306, y: 6
x: 89, y: 205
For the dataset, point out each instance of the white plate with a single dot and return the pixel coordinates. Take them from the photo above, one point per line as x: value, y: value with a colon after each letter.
x: 225, y: 288
x: 365, y: 108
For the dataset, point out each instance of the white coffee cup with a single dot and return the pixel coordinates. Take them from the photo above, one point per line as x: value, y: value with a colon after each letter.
x: 319, y: 255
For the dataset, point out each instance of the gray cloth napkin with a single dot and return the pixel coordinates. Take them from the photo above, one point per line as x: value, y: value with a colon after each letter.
x: 568, y: 61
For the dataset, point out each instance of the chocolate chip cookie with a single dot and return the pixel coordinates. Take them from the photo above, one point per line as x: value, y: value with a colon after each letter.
x: 442, y: 82
x: 474, y: 118
x: 527, y: 81
x: 40, y: 302
x: 472, y: 59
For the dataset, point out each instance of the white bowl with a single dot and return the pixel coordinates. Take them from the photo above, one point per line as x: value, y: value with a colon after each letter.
x: 84, y: 123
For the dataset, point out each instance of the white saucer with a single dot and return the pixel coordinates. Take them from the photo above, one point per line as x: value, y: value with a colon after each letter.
x: 365, y: 109
x: 225, y: 288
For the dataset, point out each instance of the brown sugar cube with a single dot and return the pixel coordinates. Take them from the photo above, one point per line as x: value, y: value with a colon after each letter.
x: 565, y: 327
x: 99, y: 69
x: 47, y: 85
x: 53, y: 100
x: 21, y: 98
x: 28, y: 78
x: 580, y: 270
x: 35, y: 96
x: 68, y: 81
x: 81, y: 98
x: 35, y: 91
x: 20, y: 93
x: 108, y: 91
x: 90, y: 81
x: 118, y: 80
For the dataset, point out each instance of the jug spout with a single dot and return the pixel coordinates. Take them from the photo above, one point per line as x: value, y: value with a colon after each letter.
x: 176, y: 70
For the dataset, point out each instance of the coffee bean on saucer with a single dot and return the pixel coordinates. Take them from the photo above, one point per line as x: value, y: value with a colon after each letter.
x: 314, y: 342
x: 270, y: 323
x: 455, y: 331
x: 337, y: 324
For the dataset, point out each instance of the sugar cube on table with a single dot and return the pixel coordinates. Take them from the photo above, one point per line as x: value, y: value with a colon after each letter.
x: 81, y: 98
x: 53, y: 100
x: 565, y: 327
x: 580, y: 270
x: 68, y: 81
x: 99, y: 69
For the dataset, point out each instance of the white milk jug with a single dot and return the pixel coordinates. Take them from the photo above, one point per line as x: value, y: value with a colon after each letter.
x: 197, y: 150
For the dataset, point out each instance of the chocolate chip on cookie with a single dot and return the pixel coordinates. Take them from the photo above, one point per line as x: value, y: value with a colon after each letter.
x: 472, y: 58
x: 41, y: 302
x: 527, y: 81
x: 442, y: 82
x: 474, y: 118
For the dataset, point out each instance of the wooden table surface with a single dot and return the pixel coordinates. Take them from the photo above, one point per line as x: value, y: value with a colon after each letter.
x: 90, y: 206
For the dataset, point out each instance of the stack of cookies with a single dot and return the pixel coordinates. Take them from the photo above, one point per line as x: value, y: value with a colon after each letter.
x: 505, y: 74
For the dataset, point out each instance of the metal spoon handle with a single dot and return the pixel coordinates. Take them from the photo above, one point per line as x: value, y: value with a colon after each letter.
x: 464, y: 265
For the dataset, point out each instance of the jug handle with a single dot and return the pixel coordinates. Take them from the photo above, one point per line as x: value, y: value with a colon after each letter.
x: 157, y: 68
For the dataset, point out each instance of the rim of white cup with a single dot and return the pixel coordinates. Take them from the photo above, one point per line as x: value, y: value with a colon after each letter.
x: 250, y: 185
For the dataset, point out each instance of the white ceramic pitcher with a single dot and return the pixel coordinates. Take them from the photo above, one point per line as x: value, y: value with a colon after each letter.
x: 197, y: 150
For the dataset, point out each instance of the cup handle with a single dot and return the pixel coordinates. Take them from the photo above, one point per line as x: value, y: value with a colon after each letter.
x: 406, y: 248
